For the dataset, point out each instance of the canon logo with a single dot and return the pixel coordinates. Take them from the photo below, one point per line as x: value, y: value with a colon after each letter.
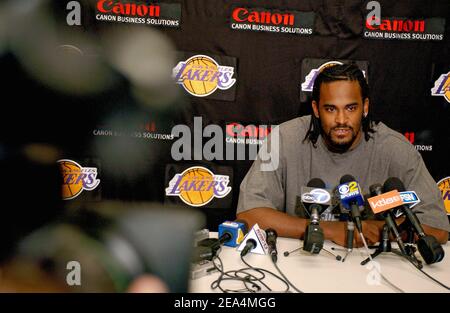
x: 397, y: 25
x: 262, y: 17
x: 131, y: 9
x: 250, y: 131
x: 410, y: 136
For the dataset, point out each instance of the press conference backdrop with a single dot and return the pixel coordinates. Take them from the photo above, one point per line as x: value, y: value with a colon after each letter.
x: 245, y: 66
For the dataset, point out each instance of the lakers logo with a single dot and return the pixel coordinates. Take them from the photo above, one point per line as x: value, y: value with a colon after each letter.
x: 200, y: 75
x: 442, y: 87
x: 197, y: 186
x: 444, y: 186
x: 308, y: 84
x: 76, y: 178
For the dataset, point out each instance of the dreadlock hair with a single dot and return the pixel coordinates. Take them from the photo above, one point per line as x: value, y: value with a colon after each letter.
x: 333, y: 73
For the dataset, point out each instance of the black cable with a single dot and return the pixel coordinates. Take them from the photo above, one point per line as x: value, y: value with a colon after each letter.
x: 434, y: 279
x: 234, y: 276
x: 258, y: 269
x: 260, y: 280
x: 252, y: 282
x: 428, y: 275
x: 281, y: 273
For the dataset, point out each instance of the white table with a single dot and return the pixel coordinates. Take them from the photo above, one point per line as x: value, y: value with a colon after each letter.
x: 323, y: 273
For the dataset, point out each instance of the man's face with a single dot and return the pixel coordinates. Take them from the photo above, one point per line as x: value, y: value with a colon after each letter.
x: 340, y: 110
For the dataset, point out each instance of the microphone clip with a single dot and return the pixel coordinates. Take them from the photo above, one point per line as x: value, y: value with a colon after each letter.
x: 313, y: 239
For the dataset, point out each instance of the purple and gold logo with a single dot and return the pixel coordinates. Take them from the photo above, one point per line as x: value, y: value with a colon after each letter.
x: 77, y: 178
x: 442, y: 87
x: 444, y: 187
x: 197, y: 186
x: 201, y: 75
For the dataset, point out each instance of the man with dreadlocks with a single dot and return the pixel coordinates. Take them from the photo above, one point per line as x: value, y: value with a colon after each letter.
x: 337, y: 139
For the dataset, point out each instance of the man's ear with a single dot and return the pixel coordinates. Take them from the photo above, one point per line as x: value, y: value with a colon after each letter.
x: 366, y: 107
x: 315, y: 107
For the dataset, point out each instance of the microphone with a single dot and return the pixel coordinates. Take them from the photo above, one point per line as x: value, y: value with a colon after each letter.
x: 249, y: 245
x: 232, y: 233
x: 315, y: 200
x: 377, y: 190
x: 350, y: 236
x: 351, y: 198
x: 271, y: 238
x: 428, y: 246
x: 394, y: 183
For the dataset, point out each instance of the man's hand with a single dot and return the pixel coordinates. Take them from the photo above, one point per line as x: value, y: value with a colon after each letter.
x: 371, y: 231
x: 337, y: 232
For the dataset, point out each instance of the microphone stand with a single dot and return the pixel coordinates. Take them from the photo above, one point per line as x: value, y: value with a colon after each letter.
x: 410, y: 245
x: 337, y: 257
x: 385, y: 246
x: 350, y: 236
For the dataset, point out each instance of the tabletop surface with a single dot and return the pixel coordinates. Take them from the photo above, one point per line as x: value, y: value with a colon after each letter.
x: 323, y: 273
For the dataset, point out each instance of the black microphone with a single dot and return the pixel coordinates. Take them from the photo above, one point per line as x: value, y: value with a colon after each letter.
x: 225, y: 238
x: 271, y: 238
x: 249, y: 245
x: 350, y: 235
x: 394, y: 183
x: 428, y: 246
x: 230, y: 234
x: 314, y: 204
x: 353, y: 200
x: 376, y: 190
x: 207, y: 248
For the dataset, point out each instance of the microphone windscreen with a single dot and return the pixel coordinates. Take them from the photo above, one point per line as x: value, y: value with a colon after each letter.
x: 271, y: 231
x: 393, y: 183
x: 375, y: 190
x: 347, y: 178
x: 316, y: 182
